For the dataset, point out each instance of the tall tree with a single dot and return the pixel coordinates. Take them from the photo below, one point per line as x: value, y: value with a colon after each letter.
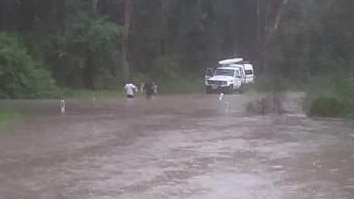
x: 128, y: 11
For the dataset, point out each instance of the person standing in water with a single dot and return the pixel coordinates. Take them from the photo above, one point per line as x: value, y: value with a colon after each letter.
x: 148, y: 88
x: 155, y: 88
x: 130, y: 90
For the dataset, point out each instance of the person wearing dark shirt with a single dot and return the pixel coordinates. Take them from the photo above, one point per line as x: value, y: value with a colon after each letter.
x: 149, y: 90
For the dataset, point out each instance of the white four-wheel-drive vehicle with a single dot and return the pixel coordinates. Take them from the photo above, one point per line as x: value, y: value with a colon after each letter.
x: 231, y: 75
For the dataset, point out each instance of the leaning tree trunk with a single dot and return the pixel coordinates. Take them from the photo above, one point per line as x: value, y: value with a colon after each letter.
x: 128, y: 11
x: 261, y: 7
x: 278, y: 6
x: 271, y: 102
x: 276, y: 81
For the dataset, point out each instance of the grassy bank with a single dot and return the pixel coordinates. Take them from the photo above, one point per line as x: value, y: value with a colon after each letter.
x: 174, y: 85
x: 181, y: 86
x: 326, y: 96
x: 88, y: 94
x: 7, y: 117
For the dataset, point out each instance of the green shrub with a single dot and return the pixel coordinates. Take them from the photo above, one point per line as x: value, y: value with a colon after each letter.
x: 331, y: 95
x: 20, y: 75
x: 89, y: 55
x: 326, y: 106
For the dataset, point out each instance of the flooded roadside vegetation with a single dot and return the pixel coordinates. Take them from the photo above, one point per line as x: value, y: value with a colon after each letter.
x: 175, y: 147
x: 201, y: 99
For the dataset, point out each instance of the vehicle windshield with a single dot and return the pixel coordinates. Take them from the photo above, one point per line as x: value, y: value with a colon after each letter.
x: 224, y: 72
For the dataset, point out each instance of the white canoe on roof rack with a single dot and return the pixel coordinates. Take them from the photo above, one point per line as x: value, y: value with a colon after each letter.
x: 230, y: 61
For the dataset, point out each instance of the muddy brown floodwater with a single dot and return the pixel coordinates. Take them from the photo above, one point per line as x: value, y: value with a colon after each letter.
x: 186, y: 146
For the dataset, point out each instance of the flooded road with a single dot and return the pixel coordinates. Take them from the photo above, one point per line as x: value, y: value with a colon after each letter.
x: 187, y: 146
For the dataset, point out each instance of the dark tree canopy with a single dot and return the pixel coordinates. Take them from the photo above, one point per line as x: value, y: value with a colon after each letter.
x: 95, y: 43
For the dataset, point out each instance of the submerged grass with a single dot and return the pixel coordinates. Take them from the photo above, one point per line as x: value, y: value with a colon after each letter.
x: 7, y: 116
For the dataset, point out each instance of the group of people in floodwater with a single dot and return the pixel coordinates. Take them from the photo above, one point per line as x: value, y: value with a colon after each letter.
x: 150, y: 88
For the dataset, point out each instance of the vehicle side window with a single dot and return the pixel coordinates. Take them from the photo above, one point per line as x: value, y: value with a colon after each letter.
x: 248, y: 72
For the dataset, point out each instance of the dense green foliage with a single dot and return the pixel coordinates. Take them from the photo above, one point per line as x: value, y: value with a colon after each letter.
x: 325, y: 106
x: 81, y: 41
x: 331, y: 96
x: 87, y: 47
x: 317, y: 39
x: 20, y: 75
x: 86, y: 44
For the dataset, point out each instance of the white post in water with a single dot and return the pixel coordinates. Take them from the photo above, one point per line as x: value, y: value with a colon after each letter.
x: 221, y: 96
x: 62, y: 106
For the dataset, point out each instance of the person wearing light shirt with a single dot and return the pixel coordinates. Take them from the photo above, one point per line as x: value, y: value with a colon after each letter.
x: 130, y: 90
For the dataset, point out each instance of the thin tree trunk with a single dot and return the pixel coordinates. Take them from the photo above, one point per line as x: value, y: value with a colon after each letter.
x: 3, y: 14
x: 164, y: 17
x: 234, y: 30
x: 91, y: 68
x: 253, y: 32
x: 261, y: 32
x: 276, y: 95
x: 279, y: 5
x: 94, y: 5
x: 128, y: 11
x: 279, y: 14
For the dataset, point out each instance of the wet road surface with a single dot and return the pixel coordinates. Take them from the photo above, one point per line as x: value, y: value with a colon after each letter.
x: 188, y: 146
